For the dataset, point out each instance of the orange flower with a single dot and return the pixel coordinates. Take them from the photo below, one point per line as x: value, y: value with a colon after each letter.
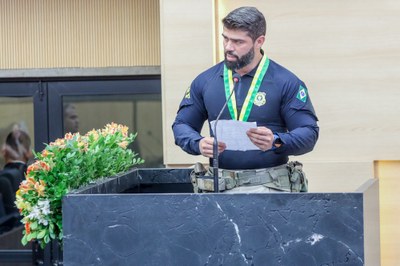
x: 27, y: 228
x: 32, y: 167
x: 46, y: 153
x: 39, y: 187
x: 68, y: 136
x: 82, y: 144
x: 111, y: 128
x: 58, y: 142
x: 123, y: 130
x: 36, y: 166
x: 94, y: 133
x: 30, y: 180
x: 44, y: 166
x: 23, y: 187
x: 27, y: 184
x: 114, y: 128
x: 123, y: 144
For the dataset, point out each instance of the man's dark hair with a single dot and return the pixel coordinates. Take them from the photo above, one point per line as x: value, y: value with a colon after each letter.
x: 247, y: 19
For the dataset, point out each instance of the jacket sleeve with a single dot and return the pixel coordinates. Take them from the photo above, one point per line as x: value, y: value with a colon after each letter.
x: 301, y: 121
x: 189, y: 121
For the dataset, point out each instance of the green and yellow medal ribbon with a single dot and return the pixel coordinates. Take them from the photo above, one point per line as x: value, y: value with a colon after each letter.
x: 251, y: 94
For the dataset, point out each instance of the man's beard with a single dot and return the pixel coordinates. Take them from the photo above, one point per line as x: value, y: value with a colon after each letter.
x: 240, y: 62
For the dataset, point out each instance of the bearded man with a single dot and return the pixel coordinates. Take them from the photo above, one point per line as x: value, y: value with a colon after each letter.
x: 266, y: 93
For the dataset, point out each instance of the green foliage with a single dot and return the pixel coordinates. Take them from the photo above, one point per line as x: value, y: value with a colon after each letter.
x: 67, y: 164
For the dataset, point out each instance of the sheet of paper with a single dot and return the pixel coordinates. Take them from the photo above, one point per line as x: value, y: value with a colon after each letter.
x: 233, y: 133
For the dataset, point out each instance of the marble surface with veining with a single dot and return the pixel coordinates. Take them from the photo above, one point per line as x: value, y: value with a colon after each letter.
x: 213, y: 229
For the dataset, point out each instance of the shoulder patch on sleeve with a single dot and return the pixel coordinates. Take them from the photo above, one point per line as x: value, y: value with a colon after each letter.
x: 302, y: 94
x: 187, y: 93
x: 187, y: 99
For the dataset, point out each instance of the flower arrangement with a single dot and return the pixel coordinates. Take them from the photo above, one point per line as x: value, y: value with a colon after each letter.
x: 67, y: 164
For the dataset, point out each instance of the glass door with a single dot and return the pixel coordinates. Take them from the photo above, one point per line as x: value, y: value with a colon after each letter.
x: 80, y: 106
x: 23, y: 105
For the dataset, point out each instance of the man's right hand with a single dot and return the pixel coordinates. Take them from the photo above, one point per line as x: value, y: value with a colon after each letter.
x: 206, y: 146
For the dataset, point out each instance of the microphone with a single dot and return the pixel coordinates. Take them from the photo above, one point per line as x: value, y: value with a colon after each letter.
x: 236, y: 79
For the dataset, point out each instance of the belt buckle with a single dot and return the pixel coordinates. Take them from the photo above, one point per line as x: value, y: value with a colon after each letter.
x: 232, y: 174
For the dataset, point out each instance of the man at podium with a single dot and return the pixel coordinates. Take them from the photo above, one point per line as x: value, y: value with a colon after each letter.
x: 259, y: 114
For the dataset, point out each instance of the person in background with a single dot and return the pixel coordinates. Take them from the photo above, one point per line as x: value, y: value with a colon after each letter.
x: 268, y: 94
x: 71, y: 119
x: 16, y: 151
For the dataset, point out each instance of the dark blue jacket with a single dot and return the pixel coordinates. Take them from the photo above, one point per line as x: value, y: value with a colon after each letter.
x: 287, y: 111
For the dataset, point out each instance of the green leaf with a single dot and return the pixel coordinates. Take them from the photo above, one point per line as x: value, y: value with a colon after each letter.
x: 31, y: 236
x: 34, y: 225
x: 41, y: 234
x: 24, y: 240
x: 43, y: 244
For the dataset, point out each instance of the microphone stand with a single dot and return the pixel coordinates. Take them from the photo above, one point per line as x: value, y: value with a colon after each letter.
x: 236, y: 78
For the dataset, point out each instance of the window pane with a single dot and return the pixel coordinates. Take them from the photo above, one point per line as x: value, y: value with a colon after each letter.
x: 141, y: 113
x: 15, y: 112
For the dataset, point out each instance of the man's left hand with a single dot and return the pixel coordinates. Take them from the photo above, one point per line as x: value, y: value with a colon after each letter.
x: 262, y: 137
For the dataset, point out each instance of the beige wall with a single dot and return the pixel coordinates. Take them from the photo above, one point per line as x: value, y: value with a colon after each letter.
x: 347, y: 52
x: 79, y: 33
x: 372, y: 253
x: 186, y: 49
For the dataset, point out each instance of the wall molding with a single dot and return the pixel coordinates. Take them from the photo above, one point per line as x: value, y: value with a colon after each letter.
x: 80, y: 72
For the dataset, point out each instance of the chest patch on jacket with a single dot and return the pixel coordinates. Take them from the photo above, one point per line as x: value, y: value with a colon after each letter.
x: 260, y: 99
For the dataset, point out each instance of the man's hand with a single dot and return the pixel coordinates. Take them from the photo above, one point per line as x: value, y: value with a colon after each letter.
x: 206, y: 146
x: 262, y: 137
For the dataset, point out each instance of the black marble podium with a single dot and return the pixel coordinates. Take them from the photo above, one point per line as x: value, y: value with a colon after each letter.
x: 149, y: 217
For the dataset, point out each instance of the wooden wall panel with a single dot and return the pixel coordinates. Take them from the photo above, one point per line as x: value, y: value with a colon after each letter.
x: 79, y: 33
x: 389, y: 177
